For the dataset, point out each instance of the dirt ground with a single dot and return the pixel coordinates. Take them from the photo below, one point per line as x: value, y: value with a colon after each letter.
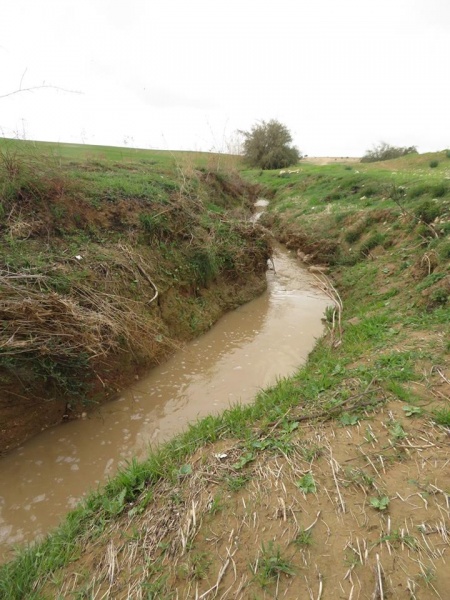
x: 355, y: 511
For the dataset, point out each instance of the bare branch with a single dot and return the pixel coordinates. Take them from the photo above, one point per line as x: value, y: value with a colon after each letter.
x: 37, y: 87
x: 40, y: 87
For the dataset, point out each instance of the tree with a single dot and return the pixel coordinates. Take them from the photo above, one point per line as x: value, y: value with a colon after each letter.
x: 267, y: 146
x: 386, y: 151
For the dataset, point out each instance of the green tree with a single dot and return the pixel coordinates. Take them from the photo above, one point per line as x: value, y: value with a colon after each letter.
x: 386, y: 151
x: 267, y: 146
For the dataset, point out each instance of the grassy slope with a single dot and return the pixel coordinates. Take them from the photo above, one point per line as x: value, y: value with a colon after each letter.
x: 335, y: 479
x: 110, y: 257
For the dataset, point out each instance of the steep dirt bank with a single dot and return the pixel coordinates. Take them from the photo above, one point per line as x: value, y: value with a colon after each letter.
x: 98, y: 283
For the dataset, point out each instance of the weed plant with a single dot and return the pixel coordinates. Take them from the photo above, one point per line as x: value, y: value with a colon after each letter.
x: 271, y: 565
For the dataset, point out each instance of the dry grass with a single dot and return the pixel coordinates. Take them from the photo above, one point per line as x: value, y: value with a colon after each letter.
x: 88, y: 322
x: 92, y: 322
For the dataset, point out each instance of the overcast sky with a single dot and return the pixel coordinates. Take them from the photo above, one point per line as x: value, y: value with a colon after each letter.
x: 186, y: 74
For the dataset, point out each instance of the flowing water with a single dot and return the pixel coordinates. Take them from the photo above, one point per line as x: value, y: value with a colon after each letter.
x: 248, y: 349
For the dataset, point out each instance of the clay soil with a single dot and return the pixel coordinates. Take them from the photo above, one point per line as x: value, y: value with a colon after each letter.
x: 303, y: 524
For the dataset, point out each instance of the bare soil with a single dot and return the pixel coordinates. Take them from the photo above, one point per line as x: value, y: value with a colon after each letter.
x: 271, y: 539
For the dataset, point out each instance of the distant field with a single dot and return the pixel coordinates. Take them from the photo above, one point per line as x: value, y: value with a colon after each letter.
x: 83, y: 152
x: 329, y: 160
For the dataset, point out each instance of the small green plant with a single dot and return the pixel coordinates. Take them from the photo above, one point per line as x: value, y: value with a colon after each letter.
x: 353, y: 235
x: 397, y: 431
x: 155, y: 225
x: 376, y: 239
x: 396, y: 538
x: 428, y: 575
x: 200, y: 564
x: 369, y: 436
x: 246, y: 458
x: 216, y: 504
x: 197, y: 567
x: 447, y: 154
x: 380, y: 503
x: 311, y: 452
x: 306, y: 483
x: 155, y: 589
x: 236, y: 482
x: 348, y: 419
x: 114, y: 506
x: 427, y: 211
x: 434, y: 164
x: 442, y: 417
x: 444, y: 251
x: 352, y: 558
x: 204, y: 264
x: 439, y: 296
x: 429, y: 281
x: 412, y: 411
x: 330, y: 314
x: 185, y: 470
x: 271, y: 565
x: 360, y: 477
x: 303, y: 538
x: 439, y: 190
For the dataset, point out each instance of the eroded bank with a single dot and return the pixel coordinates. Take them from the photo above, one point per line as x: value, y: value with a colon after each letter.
x: 248, y: 349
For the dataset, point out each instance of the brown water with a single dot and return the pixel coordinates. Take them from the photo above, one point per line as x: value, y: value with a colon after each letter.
x: 248, y: 349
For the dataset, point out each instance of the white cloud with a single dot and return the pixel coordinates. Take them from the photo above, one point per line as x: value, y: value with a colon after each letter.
x: 341, y: 75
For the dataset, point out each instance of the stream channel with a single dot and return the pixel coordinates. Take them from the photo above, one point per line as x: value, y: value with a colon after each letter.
x: 248, y: 349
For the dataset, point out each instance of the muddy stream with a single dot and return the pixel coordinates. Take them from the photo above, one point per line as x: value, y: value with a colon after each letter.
x: 248, y: 349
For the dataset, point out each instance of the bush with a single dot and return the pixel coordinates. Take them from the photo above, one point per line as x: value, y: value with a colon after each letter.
x: 447, y: 154
x: 439, y: 190
x: 427, y: 211
x: 444, y: 251
x: 385, y: 151
x: 439, y: 296
x: 267, y: 146
x: 155, y: 225
x: 418, y: 190
x: 376, y: 239
x: 204, y: 264
x: 433, y: 164
x: 352, y: 236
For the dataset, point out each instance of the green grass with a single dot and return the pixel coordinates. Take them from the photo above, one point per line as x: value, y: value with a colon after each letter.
x: 303, y: 539
x: 271, y: 565
x: 384, y: 353
x: 102, y: 156
x: 442, y: 417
